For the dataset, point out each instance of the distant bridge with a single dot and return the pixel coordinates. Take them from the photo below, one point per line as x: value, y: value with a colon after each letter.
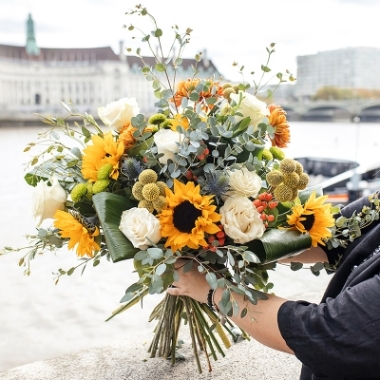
x: 364, y: 109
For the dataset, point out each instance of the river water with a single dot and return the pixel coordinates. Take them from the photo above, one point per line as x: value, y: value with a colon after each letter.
x: 40, y: 320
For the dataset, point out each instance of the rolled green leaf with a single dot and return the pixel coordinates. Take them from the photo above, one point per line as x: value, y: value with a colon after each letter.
x: 109, y: 208
x: 279, y: 244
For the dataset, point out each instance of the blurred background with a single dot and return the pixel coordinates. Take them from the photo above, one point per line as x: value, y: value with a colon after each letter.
x: 77, y: 51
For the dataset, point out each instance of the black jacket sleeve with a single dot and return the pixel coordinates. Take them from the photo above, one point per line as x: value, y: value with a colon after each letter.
x: 340, y: 337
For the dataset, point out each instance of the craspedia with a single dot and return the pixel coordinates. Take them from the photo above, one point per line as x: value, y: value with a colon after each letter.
x: 150, y: 191
x: 148, y: 176
x: 303, y: 181
x: 291, y: 179
x: 146, y: 204
x: 274, y: 177
x: 266, y: 155
x: 137, y: 191
x: 283, y: 193
x: 277, y: 153
x: 228, y: 91
x: 162, y: 186
x: 299, y: 168
x: 160, y: 203
x: 287, y: 165
x: 79, y: 191
x: 105, y: 171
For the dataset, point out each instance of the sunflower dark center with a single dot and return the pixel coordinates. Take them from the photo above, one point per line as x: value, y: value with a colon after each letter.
x: 308, y: 222
x: 184, y: 216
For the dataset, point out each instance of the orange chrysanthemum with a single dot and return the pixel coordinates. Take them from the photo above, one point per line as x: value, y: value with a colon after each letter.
x: 80, y: 236
x: 185, y: 88
x: 126, y: 136
x: 277, y: 119
x: 187, y: 217
x: 104, y: 150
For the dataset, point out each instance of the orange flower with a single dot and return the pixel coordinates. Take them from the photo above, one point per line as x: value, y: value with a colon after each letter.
x: 277, y: 119
x: 179, y: 120
x: 126, y: 136
x: 185, y: 88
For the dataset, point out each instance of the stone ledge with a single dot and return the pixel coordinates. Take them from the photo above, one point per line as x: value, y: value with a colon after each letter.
x: 129, y: 360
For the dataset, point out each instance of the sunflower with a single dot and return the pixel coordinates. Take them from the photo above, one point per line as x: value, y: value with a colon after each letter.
x: 104, y: 150
x: 188, y: 217
x: 277, y: 119
x: 314, y: 217
x: 186, y: 87
x: 80, y: 233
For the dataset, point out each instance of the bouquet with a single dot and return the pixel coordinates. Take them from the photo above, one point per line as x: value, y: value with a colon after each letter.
x: 204, y: 179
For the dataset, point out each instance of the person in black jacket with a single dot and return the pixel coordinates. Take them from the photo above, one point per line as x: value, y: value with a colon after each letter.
x: 337, y: 339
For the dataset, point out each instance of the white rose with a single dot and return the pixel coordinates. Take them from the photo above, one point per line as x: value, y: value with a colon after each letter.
x: 166, y: 141
x: 118, y: 114
x: 244, y: 183
x: 46, y: 200
x: 241, y: 221
x: 251, y: 107
x: 139, y: 225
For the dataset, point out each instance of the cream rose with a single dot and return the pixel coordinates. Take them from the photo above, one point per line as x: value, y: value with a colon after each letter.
x: 139, y: 225
x: 47, y: 199
x: 118, y: 114
x: 244, y: 183
x: 240, y: 220
x: 250, y: 107
x: 166, y: 141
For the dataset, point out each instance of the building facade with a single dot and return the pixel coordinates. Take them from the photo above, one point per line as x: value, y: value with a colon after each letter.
x: 351, y: 68
x: 36, y: 80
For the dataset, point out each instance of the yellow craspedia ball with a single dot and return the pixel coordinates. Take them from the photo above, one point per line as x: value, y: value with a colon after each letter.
x: 274, y: 177
x: 100, y: 185
x: 228, y: 91
x: 105, y: 171
x: 303, y: 181
x: 137, y: 191
x: 291, y: 179
x: 277, y: 153
x: 89, y: 193
x: 299, y: 168
x: 287, y: 165
x: 150, y: 191
x: 283, y: 193
x: 146, y: 204
x: 148, y: 176
x: 266, y: 155
x: 160, y: 203
x: 79, y: 191
x: 162, y: 186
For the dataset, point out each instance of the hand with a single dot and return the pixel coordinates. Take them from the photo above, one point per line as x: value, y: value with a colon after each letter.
x: 191, y: 283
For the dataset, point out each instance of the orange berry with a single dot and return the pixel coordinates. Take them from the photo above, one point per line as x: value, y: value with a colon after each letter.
x: 262, y: 196
x: 201, y: 157
x: 211, y: 238
x: 273, y: 204
x: 270, y: 218
x: 256, y: 202
x: 220, y: 234
x: 263, y: 216
x: 260, y: 209
x: 206, y: 151
x: 221, y: 241
x: 189, y: 175
x: 264, y: 204
x: 268, y: 197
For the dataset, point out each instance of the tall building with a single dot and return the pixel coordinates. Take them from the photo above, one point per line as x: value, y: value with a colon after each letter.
x: 36, y: 80
x: 354, y: 67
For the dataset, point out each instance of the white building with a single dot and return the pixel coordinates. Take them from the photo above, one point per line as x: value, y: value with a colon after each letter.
x: 354, y: 67
x: 36, y: 80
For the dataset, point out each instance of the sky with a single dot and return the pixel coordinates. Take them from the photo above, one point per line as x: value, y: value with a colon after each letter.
x: 234, y: 31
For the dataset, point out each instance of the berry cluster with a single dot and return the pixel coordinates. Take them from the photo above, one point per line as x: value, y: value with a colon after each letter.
x: 264, y: 203
x: 217, y: 239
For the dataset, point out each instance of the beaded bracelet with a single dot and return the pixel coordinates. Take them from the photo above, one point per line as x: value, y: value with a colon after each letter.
x: 210, y: 299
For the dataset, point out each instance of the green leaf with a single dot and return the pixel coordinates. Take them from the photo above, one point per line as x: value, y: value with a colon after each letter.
x: 277, y: 244
x: 109, y: 208
x: 160, y: 67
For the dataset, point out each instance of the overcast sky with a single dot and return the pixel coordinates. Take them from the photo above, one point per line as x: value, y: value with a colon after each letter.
x: 235, y: 30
